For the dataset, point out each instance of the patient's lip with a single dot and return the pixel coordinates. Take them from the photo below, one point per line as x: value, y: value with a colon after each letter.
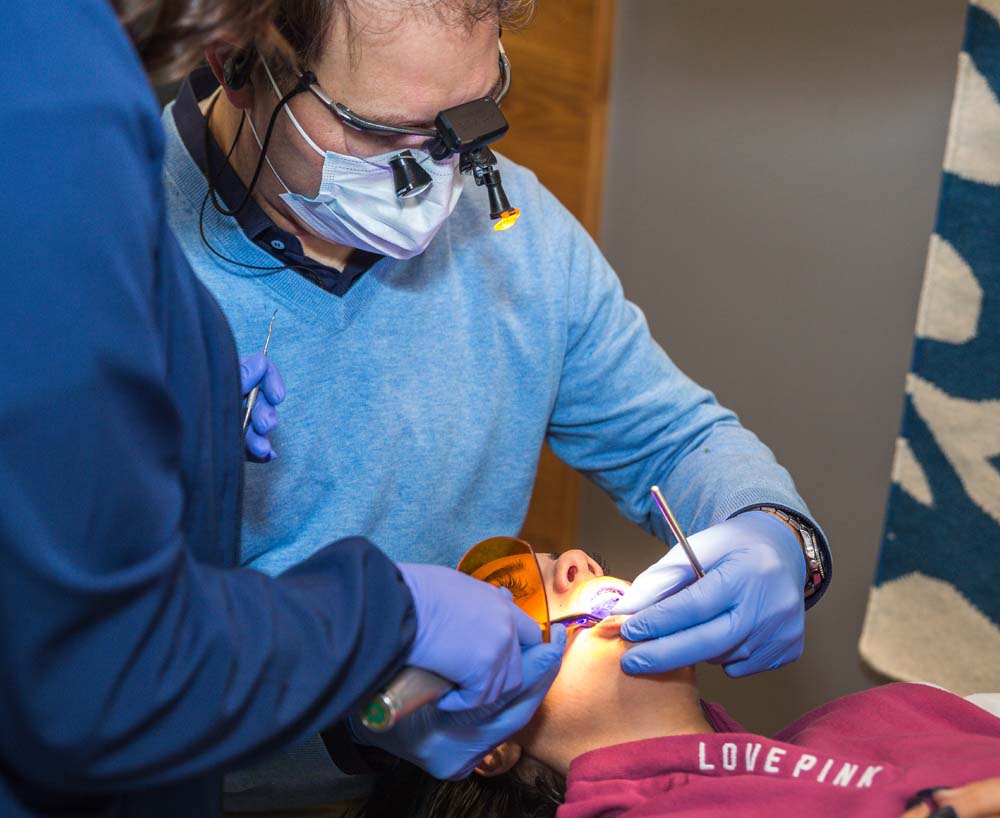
x: 610, y: 627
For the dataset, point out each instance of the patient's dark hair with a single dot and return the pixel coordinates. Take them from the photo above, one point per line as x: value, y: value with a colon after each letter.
x: 529, y: 790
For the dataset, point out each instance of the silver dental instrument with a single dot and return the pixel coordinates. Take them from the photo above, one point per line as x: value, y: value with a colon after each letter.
x: 252, y: 397
x: 409, y: 691
x: 675, y: 529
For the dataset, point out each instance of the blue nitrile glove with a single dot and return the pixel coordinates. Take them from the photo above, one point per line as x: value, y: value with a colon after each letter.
x: 450, y: 744
x: 469, y: 632
x: 747, y: 613
x: 258, y: 369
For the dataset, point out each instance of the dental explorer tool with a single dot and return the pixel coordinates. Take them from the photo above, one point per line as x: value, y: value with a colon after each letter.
x: 675, y: 528
x: 252, y: 397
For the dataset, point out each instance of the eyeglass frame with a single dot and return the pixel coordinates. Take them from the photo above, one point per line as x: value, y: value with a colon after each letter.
x: 360, y: 123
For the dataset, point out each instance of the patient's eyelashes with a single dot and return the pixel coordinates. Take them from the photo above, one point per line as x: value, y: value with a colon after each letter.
x: 517, y: 586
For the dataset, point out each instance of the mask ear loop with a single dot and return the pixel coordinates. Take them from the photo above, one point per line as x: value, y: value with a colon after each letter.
x: 260, y: 147
x: 307, y: 79
x: 211, y: 177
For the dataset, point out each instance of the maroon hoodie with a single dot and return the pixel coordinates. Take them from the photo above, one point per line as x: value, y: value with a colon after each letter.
x: 862, y: 756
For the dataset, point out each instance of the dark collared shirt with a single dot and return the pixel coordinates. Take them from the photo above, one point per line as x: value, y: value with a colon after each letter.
x: 253, y: 221
x: 135, y: 665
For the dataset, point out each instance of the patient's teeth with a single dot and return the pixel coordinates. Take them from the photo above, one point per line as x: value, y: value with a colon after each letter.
x: 604, y: 601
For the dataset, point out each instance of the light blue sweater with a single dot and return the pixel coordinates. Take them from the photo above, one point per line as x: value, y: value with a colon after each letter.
x: 417, y: 404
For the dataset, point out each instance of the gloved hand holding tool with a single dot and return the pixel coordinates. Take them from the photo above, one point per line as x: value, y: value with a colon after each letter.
x: 747, y: 613
x: 258, y: 375
x: 258, y: 371
x: 449, y: 744
x: 469, y: 632
x: 500, y: 657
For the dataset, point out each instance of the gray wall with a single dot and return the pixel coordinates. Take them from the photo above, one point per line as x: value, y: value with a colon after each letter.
x: 772, y: 178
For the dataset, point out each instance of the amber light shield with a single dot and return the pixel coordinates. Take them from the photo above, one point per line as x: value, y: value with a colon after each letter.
x: 508, y: 562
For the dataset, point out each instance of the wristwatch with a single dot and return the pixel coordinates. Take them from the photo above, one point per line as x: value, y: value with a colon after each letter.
x: 815, y: 570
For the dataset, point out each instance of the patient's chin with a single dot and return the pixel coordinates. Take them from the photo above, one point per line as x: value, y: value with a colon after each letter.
x: 596, y: 649
x: 600, y: 649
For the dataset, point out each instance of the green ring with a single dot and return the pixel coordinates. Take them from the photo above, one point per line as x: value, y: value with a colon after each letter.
x: 376, y: 714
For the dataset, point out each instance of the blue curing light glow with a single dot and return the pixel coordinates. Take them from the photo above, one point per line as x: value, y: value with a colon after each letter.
x: 604, y: 601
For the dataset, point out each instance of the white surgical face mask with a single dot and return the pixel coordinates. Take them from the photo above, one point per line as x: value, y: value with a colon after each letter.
x: 357, y: 204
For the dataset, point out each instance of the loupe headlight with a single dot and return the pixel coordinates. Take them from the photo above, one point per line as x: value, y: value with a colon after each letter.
x: 468, y: 129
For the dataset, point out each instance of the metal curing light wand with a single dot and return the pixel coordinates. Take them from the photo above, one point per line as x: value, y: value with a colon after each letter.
x: 668, y: 515
x: 409, y: 691
x: 252, y: 397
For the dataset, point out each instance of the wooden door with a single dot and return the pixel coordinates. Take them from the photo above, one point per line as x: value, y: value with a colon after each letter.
x: 558, y: 109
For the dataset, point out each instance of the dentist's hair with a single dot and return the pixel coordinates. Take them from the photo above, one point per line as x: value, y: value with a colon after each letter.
x: 306, y: 23
x: 171, y: 35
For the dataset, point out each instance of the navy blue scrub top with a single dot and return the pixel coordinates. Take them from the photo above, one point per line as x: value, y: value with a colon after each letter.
x: 135, y: 662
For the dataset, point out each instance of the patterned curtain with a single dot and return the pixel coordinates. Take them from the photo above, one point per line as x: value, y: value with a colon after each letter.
x: 934, y: 609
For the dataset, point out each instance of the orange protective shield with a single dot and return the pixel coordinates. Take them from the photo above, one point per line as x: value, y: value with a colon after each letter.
x: 508, y: 562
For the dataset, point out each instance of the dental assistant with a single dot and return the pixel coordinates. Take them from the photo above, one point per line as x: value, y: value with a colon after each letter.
x: 433, y: 356
x: 137, y: 660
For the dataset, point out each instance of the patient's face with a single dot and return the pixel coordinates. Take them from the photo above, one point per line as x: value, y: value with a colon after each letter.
x: 592, y: 695
x: 573, y: 583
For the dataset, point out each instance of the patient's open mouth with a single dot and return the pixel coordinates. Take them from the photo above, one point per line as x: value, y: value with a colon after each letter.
x: 593, y: 601
x: 604, y: 600
x: 599, y: 596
